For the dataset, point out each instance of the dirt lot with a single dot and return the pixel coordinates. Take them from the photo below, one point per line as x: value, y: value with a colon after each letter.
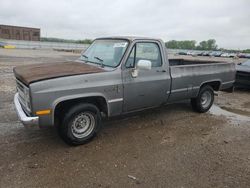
x: 165, y: 147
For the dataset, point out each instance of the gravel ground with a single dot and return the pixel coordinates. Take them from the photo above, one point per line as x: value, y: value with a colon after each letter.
x: 170, y: 146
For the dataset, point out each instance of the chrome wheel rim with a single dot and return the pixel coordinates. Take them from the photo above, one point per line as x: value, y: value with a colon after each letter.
x: 206, y: 99
x: 83, y: 124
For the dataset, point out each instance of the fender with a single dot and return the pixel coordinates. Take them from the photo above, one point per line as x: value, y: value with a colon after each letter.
x: 207, y: 82
x: 78, y: 96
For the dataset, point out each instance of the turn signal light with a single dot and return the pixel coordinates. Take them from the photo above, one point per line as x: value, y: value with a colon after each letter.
x: 43, y: 112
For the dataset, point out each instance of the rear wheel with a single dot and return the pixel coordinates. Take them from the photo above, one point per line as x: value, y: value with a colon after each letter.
x: 203, y: 102
x: 80, y: 124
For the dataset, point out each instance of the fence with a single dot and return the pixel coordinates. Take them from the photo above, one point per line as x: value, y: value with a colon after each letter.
x: 44, y: 45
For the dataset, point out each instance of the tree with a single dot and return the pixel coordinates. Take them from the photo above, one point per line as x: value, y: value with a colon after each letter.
x: 85, y: 41
x: 211, y: 44
x: 187, y: 44
x: 207, y: 45
x: 246, y: 51
x: 173, y: 44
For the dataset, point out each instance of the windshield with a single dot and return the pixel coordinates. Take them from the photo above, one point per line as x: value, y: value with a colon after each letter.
x: 247, y: 63
x: 105, y: 52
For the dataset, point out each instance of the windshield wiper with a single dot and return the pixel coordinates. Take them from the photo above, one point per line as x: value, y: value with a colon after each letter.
x: 99, y: 59
x: 85, y: 56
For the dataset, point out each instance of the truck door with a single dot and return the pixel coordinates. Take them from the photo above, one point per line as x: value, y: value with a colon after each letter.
x: 145, y: 88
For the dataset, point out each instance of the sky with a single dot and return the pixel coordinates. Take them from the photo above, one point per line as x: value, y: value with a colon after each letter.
x: 226, y: 21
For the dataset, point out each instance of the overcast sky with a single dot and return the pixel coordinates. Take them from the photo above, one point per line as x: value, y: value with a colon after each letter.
x: 224, y: 20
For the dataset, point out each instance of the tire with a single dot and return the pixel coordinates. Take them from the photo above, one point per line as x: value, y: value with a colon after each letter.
x: 203, y: 102
x: 80, y: 124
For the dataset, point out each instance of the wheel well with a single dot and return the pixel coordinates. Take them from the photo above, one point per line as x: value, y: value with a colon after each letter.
x: 63, y: 106
x: 214, y: 84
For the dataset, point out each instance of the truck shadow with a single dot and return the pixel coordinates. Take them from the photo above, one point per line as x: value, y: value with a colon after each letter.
x: 49, y: 136
x: 47, y: 139
x: 167, y: 112
x: 242, y: 89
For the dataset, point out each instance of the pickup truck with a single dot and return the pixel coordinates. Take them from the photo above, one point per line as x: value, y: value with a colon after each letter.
x: 113, y: 76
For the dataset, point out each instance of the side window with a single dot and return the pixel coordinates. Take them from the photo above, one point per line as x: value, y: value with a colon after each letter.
x: 131, y: 59
x: 145, y: 51
x: 149, y: 51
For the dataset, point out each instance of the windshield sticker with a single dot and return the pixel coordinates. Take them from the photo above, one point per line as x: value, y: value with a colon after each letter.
x: 120, y: 45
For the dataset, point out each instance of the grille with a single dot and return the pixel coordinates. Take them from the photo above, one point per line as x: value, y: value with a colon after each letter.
x: 23, y: 92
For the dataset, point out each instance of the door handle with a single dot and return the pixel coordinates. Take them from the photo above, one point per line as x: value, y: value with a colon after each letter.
x: 161, y: 71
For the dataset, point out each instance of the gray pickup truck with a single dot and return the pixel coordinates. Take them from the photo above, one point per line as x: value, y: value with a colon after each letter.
x: 114, y: 76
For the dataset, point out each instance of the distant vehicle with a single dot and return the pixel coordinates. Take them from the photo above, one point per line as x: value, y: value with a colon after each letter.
x: 216, y: 53
x: 243, y: 74
x: 182, y: 53
x: 5, y: 45
x: 232, y: 55
x: 225, y: 55
x: 247, y: 56
x: 205, y: 53
x: 2, y: 44
x: 241, y: 55
x: 192, y: 53
x: 200, y: 53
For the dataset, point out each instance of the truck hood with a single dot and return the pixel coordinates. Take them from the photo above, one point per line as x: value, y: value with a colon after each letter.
x: 43, y: 71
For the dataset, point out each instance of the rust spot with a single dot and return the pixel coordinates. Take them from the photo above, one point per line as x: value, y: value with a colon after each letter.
x: 33, y: 73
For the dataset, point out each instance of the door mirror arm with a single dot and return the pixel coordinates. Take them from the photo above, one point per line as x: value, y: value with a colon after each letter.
x: 134, y: 72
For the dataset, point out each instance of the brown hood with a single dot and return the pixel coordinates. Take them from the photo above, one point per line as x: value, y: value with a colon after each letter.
x: 37, y: 72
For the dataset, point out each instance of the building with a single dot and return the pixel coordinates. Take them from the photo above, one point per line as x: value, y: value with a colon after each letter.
x: 19, y: 33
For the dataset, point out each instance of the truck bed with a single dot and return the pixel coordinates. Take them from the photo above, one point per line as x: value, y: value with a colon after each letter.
x: 189, y: 75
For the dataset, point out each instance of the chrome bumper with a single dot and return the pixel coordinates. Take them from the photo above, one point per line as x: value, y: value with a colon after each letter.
x: 26, y: 120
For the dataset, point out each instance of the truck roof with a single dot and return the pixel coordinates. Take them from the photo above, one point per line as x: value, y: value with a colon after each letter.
x: 130, y: 38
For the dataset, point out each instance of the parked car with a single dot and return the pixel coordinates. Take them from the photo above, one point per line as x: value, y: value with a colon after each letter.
x: 232, y: 55
x: 7, y: 46
x: 2, y: 44
x: 114, y: 76
x: 243, y: 74
x: 247, y: 56
x: 200, y: 53
x: 205, y: 53
x: 194, y: 53
x: 225, y: 55
x: 241, y: 55
x: 215, y: 54
x: 182, y: 53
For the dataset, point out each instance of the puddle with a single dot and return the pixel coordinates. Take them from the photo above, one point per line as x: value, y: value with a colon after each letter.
x: 233, y: 117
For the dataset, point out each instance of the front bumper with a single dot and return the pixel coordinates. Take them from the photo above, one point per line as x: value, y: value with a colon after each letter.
x: 26, y: 120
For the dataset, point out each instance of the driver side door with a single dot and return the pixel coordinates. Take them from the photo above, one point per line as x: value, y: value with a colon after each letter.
x: 148, y: 88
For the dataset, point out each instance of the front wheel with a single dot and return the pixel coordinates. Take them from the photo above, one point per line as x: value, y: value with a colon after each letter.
x: 80, y: 124
x: 203, y: 102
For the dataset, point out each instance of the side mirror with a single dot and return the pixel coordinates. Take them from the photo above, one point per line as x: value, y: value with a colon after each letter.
x: 141, y: 65
x: 144, y: 65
